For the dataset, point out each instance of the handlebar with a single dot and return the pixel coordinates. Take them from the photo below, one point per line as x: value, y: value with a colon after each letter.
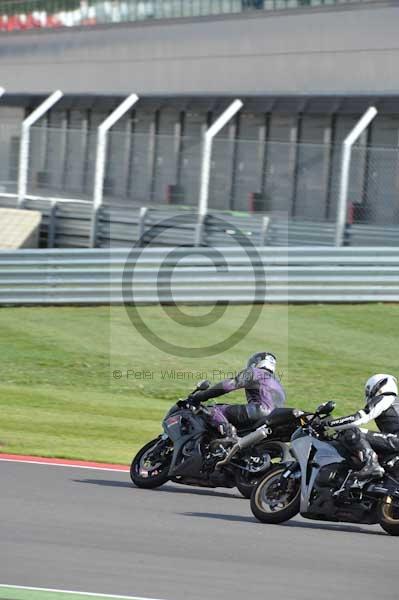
x: 187, y: 404
x: 324, y: 410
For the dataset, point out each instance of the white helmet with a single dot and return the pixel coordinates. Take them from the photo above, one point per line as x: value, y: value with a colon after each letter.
x: 381, y: 385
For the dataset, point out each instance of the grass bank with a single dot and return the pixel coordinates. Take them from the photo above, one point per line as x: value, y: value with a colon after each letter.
x: 81, y: 382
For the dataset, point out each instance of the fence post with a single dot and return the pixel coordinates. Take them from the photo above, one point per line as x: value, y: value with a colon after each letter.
x: 25, y: 140
x: 207, y: 153
x: 94, y: 225
x: 52, y: 223
x: 141, y: 224
x: 199, y: 230
x: 265, y: 226
x: 360, y: 126
x: 99, y: 172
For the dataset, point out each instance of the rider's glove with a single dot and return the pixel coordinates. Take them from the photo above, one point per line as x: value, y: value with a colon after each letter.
x: 188, y: 402
x: 325, y: 427
x: 183, y: 403
x: 193, y: 401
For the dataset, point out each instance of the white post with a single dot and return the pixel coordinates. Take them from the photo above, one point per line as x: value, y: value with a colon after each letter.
x: 99, y: 172
x: 25, y: 140
x: 207, y: 153
x: 345, y: 170
x: 2, y: 90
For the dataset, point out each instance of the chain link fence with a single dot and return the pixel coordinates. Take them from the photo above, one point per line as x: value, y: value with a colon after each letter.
x: 273, y: 177
x: 61, y: 162
x: 374, y: 186
x: 297, y: 185
x: 141, y: 169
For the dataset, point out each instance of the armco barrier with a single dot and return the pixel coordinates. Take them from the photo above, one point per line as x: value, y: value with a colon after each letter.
x: 290, y: 274
x: 66, y: 224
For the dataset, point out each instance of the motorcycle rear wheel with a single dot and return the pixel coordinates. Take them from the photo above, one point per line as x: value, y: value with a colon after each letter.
x: 150, y: 466
x: 269, y: 505
x: 246, y: 485
x: 247, y: 481
x: 245, y: 489
x: 389, y: 516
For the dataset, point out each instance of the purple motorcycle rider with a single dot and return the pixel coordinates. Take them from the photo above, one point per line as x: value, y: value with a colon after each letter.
x: 263, y: 390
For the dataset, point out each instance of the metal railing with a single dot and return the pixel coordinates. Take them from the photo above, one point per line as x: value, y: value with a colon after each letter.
x: 184, y: 275
x: 20, y: 15
x: 68, y: 224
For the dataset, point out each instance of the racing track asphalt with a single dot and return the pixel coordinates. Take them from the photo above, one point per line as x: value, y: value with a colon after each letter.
x: 93, y: 531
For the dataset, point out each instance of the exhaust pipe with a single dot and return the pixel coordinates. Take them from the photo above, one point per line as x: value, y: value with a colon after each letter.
x: 249, y: 440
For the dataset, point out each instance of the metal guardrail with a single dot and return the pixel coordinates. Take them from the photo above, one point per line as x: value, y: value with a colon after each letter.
x: 189, y: 275
x: 66, y: 224
x: 284, y: 232
x: 371, y: 235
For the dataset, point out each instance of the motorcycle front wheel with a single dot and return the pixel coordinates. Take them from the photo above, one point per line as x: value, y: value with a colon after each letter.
x: 150, y: 466
x: 275, y: 500
x: 389, y: 516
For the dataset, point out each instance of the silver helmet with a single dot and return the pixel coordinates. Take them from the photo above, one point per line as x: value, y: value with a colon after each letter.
x: 263, y: 360
x: 381, y: 385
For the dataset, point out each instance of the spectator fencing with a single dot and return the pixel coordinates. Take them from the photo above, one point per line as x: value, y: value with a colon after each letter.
x: 293, y: 187
x: 22, y: 15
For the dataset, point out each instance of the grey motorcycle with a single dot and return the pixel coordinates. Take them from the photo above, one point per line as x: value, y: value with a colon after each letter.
x: 320, y: 482
x: 189, y: 451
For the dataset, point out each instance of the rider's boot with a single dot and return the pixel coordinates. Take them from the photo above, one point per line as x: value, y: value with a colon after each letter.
x: 371, y: 467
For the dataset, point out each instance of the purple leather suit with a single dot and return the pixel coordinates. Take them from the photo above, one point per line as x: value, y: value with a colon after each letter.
x: 263, y: 391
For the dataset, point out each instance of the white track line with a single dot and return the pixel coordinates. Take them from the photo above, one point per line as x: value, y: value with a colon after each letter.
x: 52, y: 464
x: 38, y: 589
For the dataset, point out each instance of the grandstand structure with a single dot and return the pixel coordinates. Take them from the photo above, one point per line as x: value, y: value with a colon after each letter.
x: 305, y: 72
x: 22, y: 15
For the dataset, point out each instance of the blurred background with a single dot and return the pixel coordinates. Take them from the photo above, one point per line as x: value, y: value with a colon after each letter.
x: 305, y: 70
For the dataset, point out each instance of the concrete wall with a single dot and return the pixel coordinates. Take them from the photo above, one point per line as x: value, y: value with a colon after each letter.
x: 352, y: 51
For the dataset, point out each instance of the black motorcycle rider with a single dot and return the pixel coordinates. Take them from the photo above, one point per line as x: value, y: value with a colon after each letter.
x: 382, y: 404
x: 263, y: 390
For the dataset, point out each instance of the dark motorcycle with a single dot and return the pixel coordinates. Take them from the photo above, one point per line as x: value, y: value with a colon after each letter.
x: 191, y: 453
x: 320, y: 482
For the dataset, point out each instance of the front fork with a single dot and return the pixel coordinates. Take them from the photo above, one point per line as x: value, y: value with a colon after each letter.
x: 292, y: 471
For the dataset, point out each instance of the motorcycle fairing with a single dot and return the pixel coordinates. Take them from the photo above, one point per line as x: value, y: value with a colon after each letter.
x: 312, y: 455
x: 181, y: 427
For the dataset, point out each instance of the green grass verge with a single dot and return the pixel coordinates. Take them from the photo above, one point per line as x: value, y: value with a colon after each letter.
x: 21, y: 593
x: 58, y: 396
